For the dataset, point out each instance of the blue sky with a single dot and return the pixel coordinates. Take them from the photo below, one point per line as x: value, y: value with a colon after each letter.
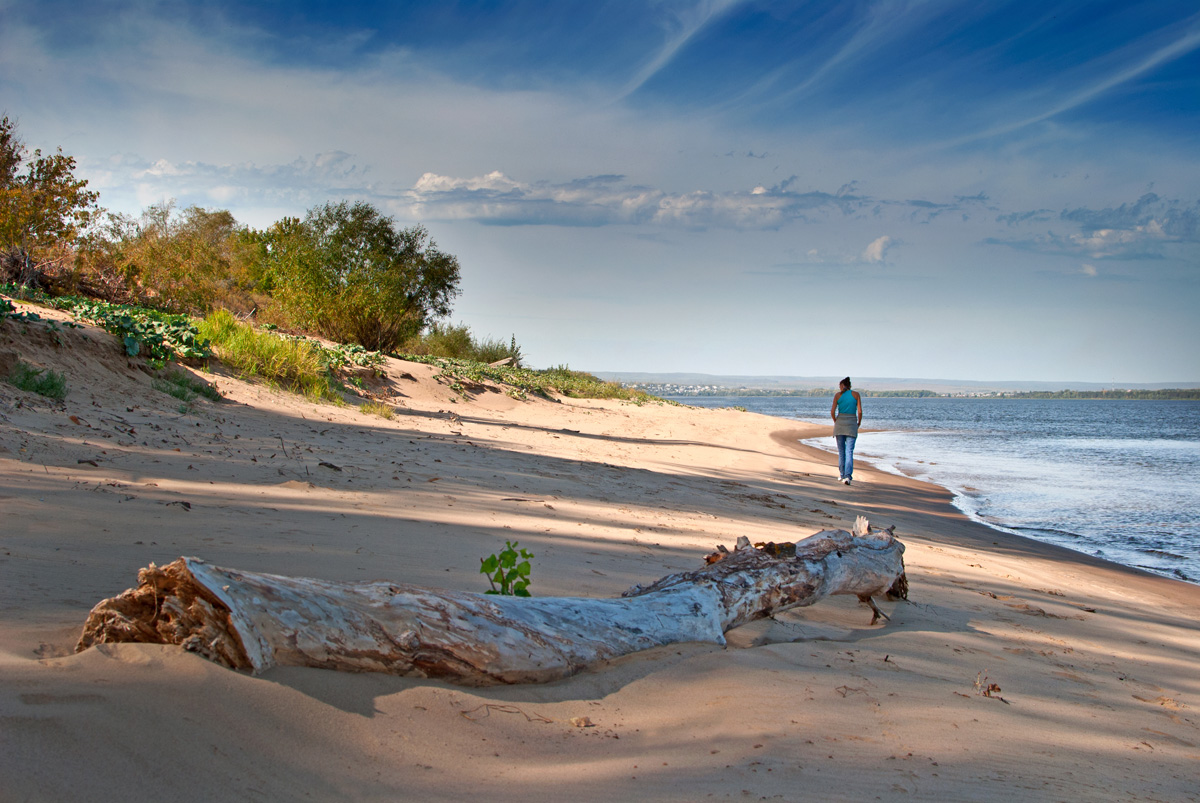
x: 987, y: 191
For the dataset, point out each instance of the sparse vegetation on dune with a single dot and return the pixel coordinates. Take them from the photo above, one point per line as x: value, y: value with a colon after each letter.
x: 466, y: 375
x: 304, y: 365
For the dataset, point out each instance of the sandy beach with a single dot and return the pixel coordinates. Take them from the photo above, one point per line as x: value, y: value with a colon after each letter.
x: 1015, y: 671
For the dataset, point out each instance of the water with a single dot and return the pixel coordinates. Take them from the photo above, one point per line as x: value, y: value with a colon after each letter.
x: 1116, y: 479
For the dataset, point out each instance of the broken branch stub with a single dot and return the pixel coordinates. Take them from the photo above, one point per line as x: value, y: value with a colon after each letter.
x: 247, y: 620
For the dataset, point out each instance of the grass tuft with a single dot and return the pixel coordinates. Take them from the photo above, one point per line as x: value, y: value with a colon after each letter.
x: 41, y: 381
x: 378, y: 408
x: 185, y: 387
x: 296, y: 365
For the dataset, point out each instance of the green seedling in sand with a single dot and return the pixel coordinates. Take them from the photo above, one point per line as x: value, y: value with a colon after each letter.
x: 508, y: 571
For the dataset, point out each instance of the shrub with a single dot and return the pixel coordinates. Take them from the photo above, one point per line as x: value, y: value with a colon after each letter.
x: 181, y: 262
x: 444, y: 340
x: 456, y: 342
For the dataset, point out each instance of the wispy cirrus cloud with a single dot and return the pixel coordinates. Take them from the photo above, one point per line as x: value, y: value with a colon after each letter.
x: 686, y: 23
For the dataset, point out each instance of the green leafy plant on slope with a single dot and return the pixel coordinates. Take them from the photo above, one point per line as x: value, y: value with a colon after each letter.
x: 158, y: 336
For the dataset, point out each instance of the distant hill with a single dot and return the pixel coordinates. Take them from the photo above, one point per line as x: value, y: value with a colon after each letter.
x: 874, y: 383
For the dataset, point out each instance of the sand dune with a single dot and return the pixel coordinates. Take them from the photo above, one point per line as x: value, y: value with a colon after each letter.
x: 1015, y: 671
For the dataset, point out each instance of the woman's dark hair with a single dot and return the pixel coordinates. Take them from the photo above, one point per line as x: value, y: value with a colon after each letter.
x: 846, y: 382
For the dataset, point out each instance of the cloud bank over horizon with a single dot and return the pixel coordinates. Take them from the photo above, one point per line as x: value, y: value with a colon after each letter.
x: 1023, y: 172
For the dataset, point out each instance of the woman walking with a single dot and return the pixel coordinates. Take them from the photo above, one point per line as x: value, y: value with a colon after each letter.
x: 846, y: 413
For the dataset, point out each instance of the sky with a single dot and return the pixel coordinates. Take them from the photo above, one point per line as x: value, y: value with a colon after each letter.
x: 964, y: 190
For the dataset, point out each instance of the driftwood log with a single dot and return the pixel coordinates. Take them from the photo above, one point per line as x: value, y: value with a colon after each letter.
x: 251, y: 621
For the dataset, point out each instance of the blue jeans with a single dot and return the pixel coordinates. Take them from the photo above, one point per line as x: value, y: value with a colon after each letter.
x: 845, y: 455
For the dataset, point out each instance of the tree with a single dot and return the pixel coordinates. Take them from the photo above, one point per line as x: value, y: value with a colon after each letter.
x: 43, y: 210
x: 183, y: 262
x: 347, y: 272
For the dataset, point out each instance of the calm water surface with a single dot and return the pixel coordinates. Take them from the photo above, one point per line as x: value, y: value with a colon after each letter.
x: 1117, y: 479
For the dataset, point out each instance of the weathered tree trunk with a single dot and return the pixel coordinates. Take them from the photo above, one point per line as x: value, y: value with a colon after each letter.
x: 255, y: 621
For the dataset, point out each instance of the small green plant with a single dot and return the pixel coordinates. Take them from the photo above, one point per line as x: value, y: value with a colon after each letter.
x: 508, y: 571
x: 41, y: 381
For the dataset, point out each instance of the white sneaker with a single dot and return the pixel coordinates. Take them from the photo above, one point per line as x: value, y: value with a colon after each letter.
x: 846, y: 480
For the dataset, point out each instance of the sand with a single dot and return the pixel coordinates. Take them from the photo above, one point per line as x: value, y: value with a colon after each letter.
x: 1090, y: 669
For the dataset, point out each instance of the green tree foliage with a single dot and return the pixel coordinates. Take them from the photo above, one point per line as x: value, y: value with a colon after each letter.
x: 43, y: 209
x: 348, y: 273
x: 185, y: 261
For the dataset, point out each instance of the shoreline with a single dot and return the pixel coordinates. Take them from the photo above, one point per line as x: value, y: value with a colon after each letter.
x: 1128, y: 554
x: 938, y: 501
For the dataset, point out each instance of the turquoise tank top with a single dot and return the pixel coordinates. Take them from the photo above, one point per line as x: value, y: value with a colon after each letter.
x: 846, y: 404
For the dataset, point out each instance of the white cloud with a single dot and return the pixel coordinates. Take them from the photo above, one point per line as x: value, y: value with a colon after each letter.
x: 1088, y: 270
x: 495, y: 180
x: 223, y: 194
x: 604, y: 200
x: 1112, y: 242
x: 877, y: 250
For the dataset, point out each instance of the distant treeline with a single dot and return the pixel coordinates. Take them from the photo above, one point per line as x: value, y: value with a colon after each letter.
x: 669, y: 390
x: 1170, y: 393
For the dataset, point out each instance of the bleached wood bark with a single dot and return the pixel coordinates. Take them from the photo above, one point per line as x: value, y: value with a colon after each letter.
x: 253, y: 621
